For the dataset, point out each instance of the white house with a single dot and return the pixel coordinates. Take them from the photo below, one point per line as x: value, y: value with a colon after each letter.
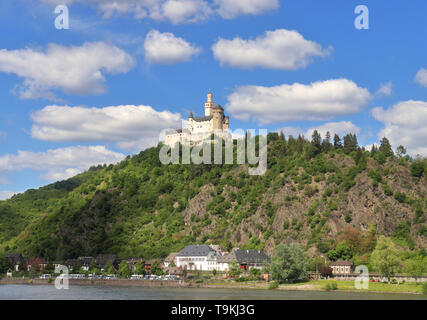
x: 197, y: 257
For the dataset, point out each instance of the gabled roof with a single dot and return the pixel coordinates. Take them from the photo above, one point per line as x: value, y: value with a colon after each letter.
x: 86, y: 261
x: 227, y: 258
x: 251, y: 256
x: 196, y: 251
x: 14, y: 258
x: 102, y: 259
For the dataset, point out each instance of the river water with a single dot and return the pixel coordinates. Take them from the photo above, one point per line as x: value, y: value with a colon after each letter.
x: 49, y: 292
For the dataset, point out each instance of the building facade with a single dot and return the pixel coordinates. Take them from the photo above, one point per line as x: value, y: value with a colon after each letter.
x: 341, y: 267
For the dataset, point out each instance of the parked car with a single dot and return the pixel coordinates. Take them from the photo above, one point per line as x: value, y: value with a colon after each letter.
x: 45, y: 276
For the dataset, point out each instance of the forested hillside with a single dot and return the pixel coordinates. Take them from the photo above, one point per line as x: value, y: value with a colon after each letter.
x: 331, y: 196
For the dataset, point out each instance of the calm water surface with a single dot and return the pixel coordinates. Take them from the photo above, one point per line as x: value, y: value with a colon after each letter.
x: 48, y: 292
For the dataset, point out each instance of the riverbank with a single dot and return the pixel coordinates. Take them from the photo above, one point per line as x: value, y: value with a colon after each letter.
x: 314, y: 285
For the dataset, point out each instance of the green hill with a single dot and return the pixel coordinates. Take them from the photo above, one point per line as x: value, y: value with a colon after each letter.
x: 333, y: 199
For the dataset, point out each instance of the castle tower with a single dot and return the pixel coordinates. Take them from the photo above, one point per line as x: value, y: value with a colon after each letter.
x: 209, y: 105
x: 218, y: 117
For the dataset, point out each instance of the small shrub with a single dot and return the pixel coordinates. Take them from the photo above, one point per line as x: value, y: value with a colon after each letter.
x: 331, y: 286
x: 273, y: 285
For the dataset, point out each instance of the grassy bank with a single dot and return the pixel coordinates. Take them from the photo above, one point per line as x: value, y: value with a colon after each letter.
x: 320, y: 285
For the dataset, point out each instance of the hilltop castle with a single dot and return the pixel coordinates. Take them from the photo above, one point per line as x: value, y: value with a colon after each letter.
x: 201, y: 128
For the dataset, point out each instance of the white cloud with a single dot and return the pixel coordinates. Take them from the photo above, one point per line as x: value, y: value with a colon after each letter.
x: 4, y: 195
x: 130, y: 127
x: 59, y: 163
x: 405, y: 124
x: 231, y: 9
x: 174, y: 11
x: 385, y: 89
x: 181, y: 11
x: 421, y: 77
x: 166, y: 48
x: 74, y: 69
x: 177, y: 11
x: 341, y: 128
x: 320, y: 100
x: 279, y: 49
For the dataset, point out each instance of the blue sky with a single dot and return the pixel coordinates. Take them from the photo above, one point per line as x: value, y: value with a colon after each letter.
x: 51, y: 80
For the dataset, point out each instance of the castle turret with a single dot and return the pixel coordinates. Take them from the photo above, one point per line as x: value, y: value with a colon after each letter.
x: 209, y: 105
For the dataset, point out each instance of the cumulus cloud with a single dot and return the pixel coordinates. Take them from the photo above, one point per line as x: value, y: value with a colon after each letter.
x: 130, y: 127
x: 174, y: 11
x: 421, y: 77
x: 181, y: 11
x: 320, y: 100
x: 231, y: 9
x: 385, y: 89
x: 405, y: 124
x: 62, y: 163
x: 74, y: 70
x: 341, y: 128
x: 167, y: 49
x: 279, y: 49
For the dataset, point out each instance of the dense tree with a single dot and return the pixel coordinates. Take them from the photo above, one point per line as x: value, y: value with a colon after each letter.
x: 385, y: 257
x: 341, y: 251
x: 337, y: 142
x: 350, y: 143
x: 416, y: 267
x: 4, y: 265
x: 139, y: 268
x: 417, y: 168
x: 316, y: 142
x: 385, y: 147
x: 326, y: 143
x: 124, y: 270
x: 156, y: 269
x: 109, y: 268
x: 400, y: 151
x: 290, y: 263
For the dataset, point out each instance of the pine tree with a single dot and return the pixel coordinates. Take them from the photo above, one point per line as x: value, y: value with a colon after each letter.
x: 337, y: 142
x: 385, y: 147
x: 316, y: 141
x: 326, y: 143
x: 350, y: 143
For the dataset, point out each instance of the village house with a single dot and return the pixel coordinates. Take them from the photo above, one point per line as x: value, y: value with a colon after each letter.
x: 102, y: 259
x: 85, y: 262
x: 15, y: 260
x: 35, y: 264
x: 341, y: 267
x: 248, y: 259
x: 197, y: 257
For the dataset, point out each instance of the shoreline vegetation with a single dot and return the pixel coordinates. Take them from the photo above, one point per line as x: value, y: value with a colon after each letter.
x: 312, y: 285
